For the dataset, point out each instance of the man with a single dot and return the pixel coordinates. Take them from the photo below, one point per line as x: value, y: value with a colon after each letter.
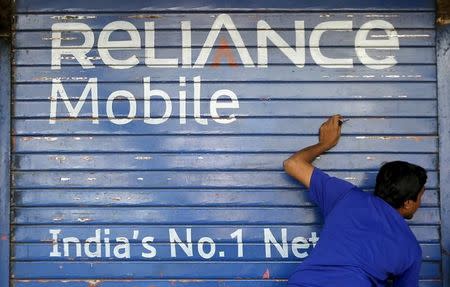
x: 365, y: 239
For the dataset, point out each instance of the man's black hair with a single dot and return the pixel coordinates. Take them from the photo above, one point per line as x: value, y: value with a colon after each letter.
x: 399, y: 181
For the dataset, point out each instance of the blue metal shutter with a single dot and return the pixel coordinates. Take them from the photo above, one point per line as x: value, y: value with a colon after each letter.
x: 75, y: 177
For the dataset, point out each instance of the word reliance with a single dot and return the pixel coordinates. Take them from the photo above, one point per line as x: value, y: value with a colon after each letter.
x: 264, y: 35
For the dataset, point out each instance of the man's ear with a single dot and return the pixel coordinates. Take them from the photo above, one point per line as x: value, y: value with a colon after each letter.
x: 408, y: 205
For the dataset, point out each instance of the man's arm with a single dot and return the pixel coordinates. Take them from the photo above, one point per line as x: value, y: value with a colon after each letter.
x: 299, y: 164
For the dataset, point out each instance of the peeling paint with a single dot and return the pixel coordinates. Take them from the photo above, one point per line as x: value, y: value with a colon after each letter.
x: 60, y: 78
x: 93, y: 283
x: 73, y: 17
x: 59, y: 38
x: 266, y: 274
x: 416, y: 138
x: 145, y: 16
x: 51, y: 139
x: 83, y: 219
x: 381, y: 15
x: 401, y: 76
x: 59, y: 158
x: 143, y: 157
x: 401, y: 36
x: 93, y: 58
x: 349, y: 76
x: 26, y: 139
x: 140, y: 178
x: 65, y: 178
x: 91, y: 178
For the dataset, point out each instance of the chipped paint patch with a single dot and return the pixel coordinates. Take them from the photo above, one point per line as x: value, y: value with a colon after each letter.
x: 65, y: 178
x: 26, y: 139
x: 401, y: 76
x: 401, y: 36
x: 73, y: 17
x: 416, y: 138
x: 349, y: 76
x: 266, y: 274
x: 143, y: 157
x: 145, y: 16
x: 140, y: 178
x: 382, y: 15
x: 93, y: 58
x: 60, y: 78
x: 83, y: 219
x: 51, y: 139
x: 91, y: 178
x: 59, y: 38
x: 59, y: 158
x: 93, y: 283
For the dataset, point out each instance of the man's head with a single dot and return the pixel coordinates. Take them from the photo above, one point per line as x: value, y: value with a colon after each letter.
x: 401, y: 185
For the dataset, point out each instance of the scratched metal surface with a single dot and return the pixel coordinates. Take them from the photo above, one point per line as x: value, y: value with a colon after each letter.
x: 83, y: 177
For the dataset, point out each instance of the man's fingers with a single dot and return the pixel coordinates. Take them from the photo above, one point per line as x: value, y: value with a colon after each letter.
x: 335, y: 119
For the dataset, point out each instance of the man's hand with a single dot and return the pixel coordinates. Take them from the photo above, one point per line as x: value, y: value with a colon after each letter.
x: 299, y: 164
x: 330, y: 132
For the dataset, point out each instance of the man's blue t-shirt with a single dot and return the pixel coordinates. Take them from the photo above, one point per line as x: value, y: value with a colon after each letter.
x: 364, y: 240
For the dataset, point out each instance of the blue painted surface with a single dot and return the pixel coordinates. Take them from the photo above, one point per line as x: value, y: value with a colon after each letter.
x: 136, y: 5
x: 221, y: 143
x: 443, y: 42
x: 167, y: 20
x: 183, y: 283
x: 39, y: 252
x: 253, y: 233
x: 77, y: 176
x: 5, y: 128
x: 174, y: 270
x: 408, y: 73
x: 259, y: 91
x: 266, y: 126
x: 408, y: 55
x: 250, y: 108
x: 172, y: 38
